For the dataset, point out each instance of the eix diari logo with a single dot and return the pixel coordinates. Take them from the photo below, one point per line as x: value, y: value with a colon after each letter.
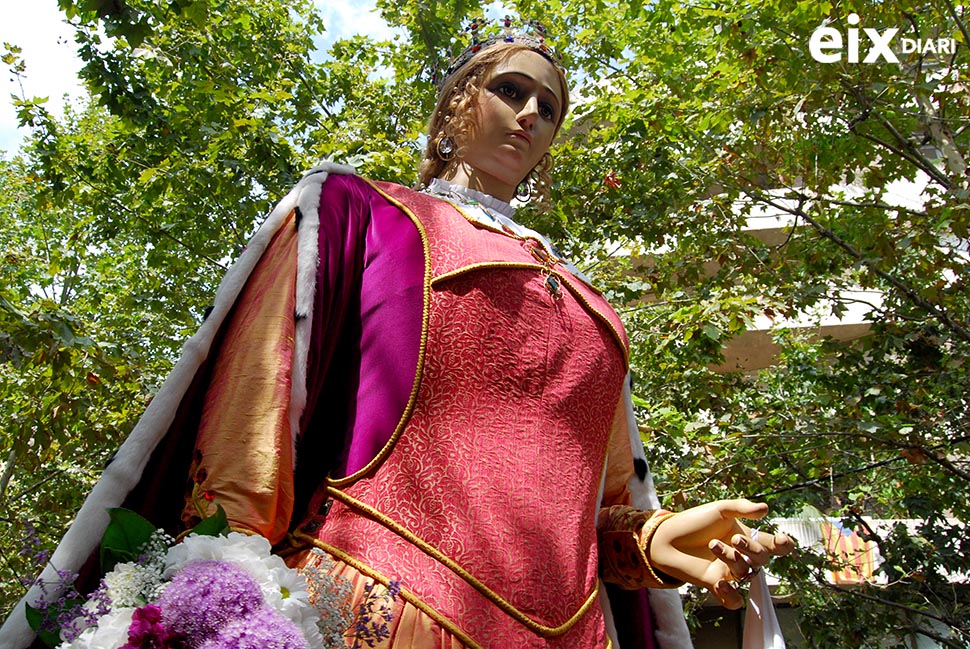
x: 826, y: 44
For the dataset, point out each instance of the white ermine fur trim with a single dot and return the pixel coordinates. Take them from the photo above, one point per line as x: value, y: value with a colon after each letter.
x: 125, y: 469
x: 667, y: 608
x: 308, y: 259
x: 608, y: 616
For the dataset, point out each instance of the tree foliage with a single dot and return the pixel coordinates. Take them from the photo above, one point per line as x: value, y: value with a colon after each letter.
x: 690, y: 118
x: 703, y: 115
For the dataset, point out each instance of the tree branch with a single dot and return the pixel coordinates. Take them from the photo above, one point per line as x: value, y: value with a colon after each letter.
x: 938, y: 638
x: 825, y: 478
x: 927, y: 168
x: 957, y: 328
x: 956, y: 19
x: 949, y: 466
x: 892, y: 604
x: 7, y: 472
x: 876, y: 204
x: 904, y: 147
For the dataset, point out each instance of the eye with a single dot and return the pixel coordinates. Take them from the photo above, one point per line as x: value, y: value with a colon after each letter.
x: 507, y: 89
x: 546, y: 111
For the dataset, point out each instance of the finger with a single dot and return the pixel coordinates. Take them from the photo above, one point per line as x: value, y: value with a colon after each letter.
x: 728, y: 595
x: 777, y: 544
x: 780, y: 544
x: 737, y: 563
x: 757, y: 555
x: 742, y: 508
x: 692, y: 529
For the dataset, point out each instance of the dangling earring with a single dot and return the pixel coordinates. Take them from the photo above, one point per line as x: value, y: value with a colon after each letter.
x: 523, y: 191
x: 446, y: 148
x: 536, y: 178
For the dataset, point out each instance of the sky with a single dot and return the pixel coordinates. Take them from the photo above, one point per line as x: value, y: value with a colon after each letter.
x: 48, y: 49
x: 38, y: 27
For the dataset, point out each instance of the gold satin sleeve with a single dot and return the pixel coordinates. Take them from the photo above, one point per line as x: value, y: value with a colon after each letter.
x: 244, y: 451
x: 624, y: 532
x: 619, y: 467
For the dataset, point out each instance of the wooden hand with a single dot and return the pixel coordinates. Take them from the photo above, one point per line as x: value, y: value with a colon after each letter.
x: 709, y: 547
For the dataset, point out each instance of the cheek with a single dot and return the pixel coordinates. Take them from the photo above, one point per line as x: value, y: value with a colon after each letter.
x: 487, y: 105
x: 485, y: 117
x: 545, y: 141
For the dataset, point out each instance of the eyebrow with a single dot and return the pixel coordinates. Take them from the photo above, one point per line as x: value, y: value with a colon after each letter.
x: 548, y: 89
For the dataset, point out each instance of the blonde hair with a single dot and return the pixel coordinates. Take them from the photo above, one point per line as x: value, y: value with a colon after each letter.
x: 455, y: 117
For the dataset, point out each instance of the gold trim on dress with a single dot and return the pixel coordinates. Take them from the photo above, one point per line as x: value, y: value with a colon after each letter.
x: 464, y: 270
x: 440, y: 557
x: 620, y: 339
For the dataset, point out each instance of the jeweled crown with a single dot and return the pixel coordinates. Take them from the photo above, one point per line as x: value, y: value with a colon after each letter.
x: 483, y: 33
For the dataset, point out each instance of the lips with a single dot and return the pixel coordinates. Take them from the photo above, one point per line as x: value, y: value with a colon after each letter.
x: 522, y: 134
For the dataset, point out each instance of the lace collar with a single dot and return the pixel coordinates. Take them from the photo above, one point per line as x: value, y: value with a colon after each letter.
x: 445, y: 189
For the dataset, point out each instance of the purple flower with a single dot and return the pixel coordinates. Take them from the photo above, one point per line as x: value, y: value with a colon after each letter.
x: 32, y: 546
x: 148, y: 632
x: 374, y: 614
x: 205, y: 596
x: 264, y: 629
x: 63, y: 611
x: 100, y: 599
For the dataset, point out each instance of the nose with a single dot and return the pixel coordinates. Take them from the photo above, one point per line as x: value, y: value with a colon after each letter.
x: 529, y: 113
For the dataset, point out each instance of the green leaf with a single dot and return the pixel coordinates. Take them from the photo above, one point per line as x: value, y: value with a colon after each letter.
x: 36, y: 617
x: 215, y: 525
x: 123, y: 539
x: 147, y: 175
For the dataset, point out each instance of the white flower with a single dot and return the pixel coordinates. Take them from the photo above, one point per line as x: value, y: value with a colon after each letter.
x: 132, y: 584
x: 111, y: 632
x: 246, y: 551
x: 290, y: 588
x: 307, y: 618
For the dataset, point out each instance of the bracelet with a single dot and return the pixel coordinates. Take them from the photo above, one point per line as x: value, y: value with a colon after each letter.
x: 646, y: 536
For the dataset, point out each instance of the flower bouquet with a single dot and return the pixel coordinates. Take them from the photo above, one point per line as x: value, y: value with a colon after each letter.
x: 215, y: 589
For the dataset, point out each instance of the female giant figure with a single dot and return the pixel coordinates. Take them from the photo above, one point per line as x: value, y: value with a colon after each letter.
x: 420, y: 386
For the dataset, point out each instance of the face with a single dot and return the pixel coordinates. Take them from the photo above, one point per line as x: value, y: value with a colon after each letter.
x: 518, y: 110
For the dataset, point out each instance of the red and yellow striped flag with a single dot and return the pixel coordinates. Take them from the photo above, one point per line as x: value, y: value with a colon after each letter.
x: 853, y: 557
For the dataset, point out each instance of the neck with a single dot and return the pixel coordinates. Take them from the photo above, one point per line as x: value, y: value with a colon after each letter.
x: 465, y: 175
x: 464, y: 194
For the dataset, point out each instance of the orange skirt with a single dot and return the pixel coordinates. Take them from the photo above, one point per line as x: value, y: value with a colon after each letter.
x: 410, y: 627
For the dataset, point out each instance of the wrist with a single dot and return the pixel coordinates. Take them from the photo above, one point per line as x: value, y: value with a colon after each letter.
x: 647, y: 535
